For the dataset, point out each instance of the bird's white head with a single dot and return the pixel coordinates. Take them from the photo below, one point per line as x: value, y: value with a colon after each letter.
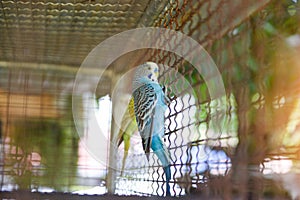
x: 146, y: 72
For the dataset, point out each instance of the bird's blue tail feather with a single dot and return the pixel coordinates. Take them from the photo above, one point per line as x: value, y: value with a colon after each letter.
x: 162, y: 153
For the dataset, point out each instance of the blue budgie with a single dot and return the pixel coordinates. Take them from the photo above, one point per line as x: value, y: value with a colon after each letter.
x: 149, y: 107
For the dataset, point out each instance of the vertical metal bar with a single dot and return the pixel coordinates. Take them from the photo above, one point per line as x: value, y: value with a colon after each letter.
x: 112, y: 164
x: 111, y: 177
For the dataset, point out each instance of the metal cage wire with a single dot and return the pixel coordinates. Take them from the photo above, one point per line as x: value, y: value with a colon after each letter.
x: 37, y: 75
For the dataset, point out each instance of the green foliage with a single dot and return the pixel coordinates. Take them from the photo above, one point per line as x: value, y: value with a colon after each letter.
x: 56, y: 146
x: 255, y: 59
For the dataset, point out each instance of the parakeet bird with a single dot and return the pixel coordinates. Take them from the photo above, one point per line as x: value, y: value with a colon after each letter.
x: 149, y: 107
x: 127, y: 129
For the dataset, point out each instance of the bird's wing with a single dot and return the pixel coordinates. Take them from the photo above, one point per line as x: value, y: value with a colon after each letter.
x: 145, y: 100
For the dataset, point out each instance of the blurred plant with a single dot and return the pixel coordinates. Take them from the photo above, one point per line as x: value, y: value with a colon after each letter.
x: 260, y: 70
x: 43, y: 153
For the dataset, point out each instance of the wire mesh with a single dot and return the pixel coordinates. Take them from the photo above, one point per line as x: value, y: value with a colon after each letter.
x: 254, y: 45
x: 39, y: 150
x: 236, y: 161
x: 62, y: 31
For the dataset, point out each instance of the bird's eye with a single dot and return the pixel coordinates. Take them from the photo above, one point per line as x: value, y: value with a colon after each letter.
x: 149, y: 68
